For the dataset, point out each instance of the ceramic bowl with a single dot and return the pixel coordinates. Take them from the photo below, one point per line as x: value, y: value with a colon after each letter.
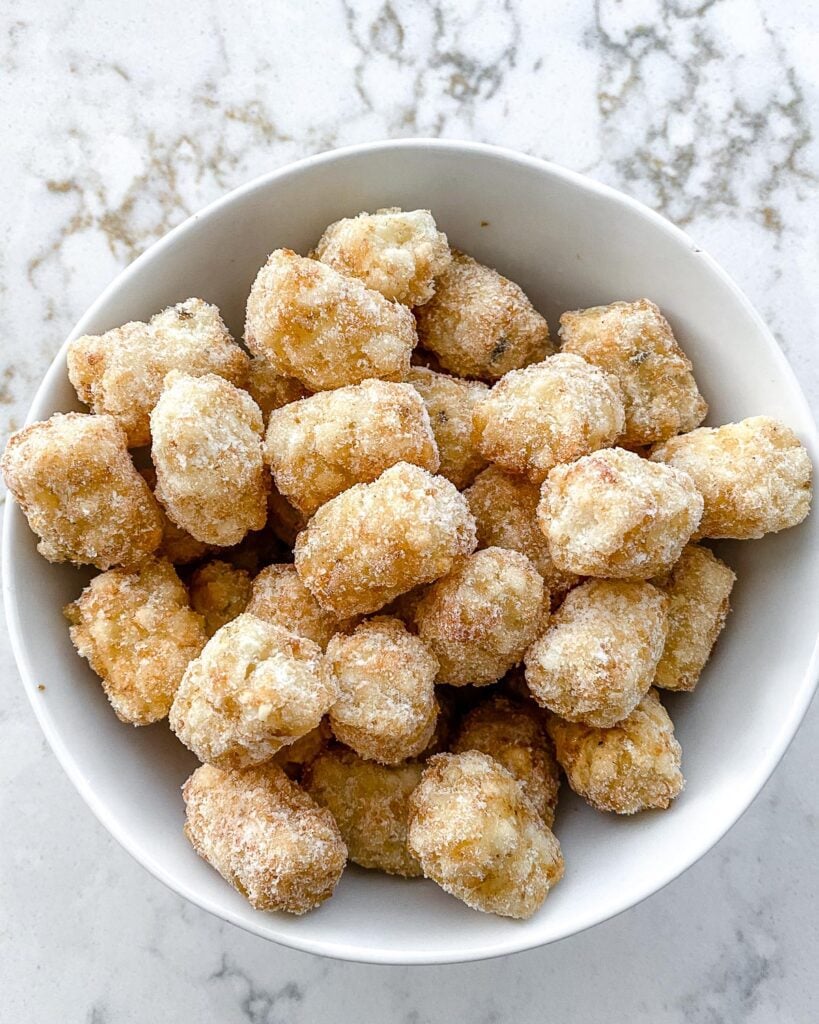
x: 569, y: 242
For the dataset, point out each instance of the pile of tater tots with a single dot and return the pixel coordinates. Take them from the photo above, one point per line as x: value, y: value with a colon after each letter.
x: 405, y: 566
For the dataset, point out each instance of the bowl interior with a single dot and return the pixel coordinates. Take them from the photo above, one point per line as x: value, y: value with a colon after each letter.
x: 569, y: 243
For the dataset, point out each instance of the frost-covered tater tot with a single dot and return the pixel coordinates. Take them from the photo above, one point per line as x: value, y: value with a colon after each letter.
x: 478, y: 836
x: 479, y: 619
x: 634, y: 341
x: 219, y: 592
x: 207, y: 450
x: 280, y: 597
x: 295, y: 757
x: 121, y: 372
x: 370, y: 804
x: 385, y: 678
x: 177, y: 545
x: 610, y: 514
x: 265, y: 836
x: 269, y: 390
x: 480, y: 324
x: 395, y: 252
x: 254, y: 689
x: 633, y: 766
x: 512, y: 732
x: 139, y: 634
x: 699, y: 589
x: 505, y: 511
x: 546, y: 413
x: 327, y: 330
x: 321, y: 446
x: 597, y: 659
x: 74, y: 480
x: 376, y: 541
x: 754, y: 476
x: 449, y: 402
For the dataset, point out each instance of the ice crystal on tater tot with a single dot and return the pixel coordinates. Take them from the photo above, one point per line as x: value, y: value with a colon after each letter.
x: 395, y: 252
x: 265, y: 836
x: 139, y: 635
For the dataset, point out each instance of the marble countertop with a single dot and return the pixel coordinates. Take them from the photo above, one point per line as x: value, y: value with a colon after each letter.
x: 120, y: 120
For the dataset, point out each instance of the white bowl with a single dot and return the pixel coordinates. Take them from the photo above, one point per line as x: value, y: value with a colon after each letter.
x: 569, y: 242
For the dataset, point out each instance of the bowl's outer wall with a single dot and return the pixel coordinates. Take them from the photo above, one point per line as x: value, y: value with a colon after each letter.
x: 570, y: 244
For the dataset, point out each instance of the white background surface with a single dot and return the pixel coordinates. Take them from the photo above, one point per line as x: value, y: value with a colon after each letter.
x: 119, y: 121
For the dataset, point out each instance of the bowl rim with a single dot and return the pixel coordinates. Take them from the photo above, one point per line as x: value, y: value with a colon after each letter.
x: 353, y: 951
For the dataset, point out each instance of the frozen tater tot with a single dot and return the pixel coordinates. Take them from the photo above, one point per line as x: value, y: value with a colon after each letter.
x: 177, y: 545
x: 699, y: 589
x: 269, y: 390
x: 74, y: 480
x: 139, y: 634
x: 634, y: 341
x: 512, y: 732
x: 385, y: 677
x: 480, y: 324
x: 280, y: 597
x: 611, y: 514
x: 546, y: 413
x: 265, y: 836
x: 295, y: 757
x: 376, y: 541
x: 207, y: 450
x: 310, y: 322
x: 219, y: 592
x: 479, y: 619
x: 370, y: 803
x: 597, y: 659
x: 449, y: 402
x: 505, y: 511
x: 254, y: 689
x: 479, y: 837
x: 395, y: 252
x: 121, y: 372
x: 633, y: 766
x: 754, y: 476
x: 321, y: 446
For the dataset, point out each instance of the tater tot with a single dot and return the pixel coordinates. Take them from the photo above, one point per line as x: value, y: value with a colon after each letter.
x: 754, y: 476
x: 207, y: 450
x: 295, y: 757
x: 546, y: 413
x: 176, y: 545
x: 478, y: 836
x: 449, y: 402
x: 121, y: 372
x: 280, y: 597
x: 505, y: 511
x: 74, y: 480
x: 699, y: 589
x: 139, y: 634
x: 219, y: 592
x: 480, y: 324
x: 321, y: 446
x: 370, y: 803
x: 634, y: 341
x: 385, y: 677
x: 310, y: 322
x: 610, y: 514
x: 633, y: 766
x: 395, y: 252
x: 254, y: 689
x: 376, y: 541
x: 512, y: 732
x: 479, y: 619
x: 265, y: 836
x: 269, y: 390
x: 597, y: 659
